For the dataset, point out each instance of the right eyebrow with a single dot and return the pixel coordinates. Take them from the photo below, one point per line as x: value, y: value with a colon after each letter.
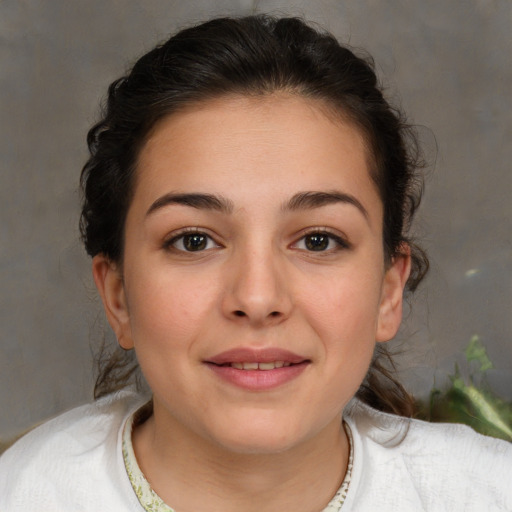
x: 194, y: 200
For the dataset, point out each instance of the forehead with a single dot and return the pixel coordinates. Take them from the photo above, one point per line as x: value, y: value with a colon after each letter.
x: 253, y: 141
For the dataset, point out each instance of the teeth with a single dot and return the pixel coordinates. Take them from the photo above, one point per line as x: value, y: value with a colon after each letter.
x: 260, y: 366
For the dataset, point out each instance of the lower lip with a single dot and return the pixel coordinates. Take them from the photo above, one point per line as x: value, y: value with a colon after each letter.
x: 259, y: 380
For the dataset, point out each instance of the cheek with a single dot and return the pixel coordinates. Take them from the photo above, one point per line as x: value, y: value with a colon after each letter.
x: 344, y: 306
x: 169, y: 309
x: 169, y: 316
x: 343, y: 312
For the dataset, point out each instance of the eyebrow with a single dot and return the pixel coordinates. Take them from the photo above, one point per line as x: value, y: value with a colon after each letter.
x: 309, y: 200
x: 299, y: 201
x: 194, y: 200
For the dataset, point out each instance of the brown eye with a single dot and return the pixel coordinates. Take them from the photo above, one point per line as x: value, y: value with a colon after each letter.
x: 192, y: 242
x: 317, y: 242
x: 321, y: 241
x: 195, y: 242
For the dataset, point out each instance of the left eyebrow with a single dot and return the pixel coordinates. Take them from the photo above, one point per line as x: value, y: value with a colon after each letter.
x: 309, y: 200
x: 194, y: 200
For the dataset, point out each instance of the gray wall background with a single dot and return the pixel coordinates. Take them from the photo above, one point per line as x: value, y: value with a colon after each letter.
x: 447, y: 62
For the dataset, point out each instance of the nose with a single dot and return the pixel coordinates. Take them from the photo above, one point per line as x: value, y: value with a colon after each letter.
x: 258, y: 289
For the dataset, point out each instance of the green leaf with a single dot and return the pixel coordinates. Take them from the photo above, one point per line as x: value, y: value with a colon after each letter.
x: 476, y: 406
x: 484, y: 407
x: 475, y: 351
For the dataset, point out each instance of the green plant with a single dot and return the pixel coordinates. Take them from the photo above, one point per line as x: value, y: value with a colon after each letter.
x: 470, y: 400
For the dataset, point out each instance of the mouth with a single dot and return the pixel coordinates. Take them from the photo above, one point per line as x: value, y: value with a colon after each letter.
x: 272, y: 365
x: 257, y: 359
x: 258, y: 369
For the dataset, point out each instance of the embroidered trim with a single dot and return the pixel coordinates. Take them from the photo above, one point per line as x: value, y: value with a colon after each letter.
x: 339, y: 498
x: 150, y: 500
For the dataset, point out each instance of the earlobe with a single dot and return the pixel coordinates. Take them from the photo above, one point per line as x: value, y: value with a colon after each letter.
x: 109, y: 283
x: 390, y: 309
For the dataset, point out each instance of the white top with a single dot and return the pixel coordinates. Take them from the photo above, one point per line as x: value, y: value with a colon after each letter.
x: 75, y: 462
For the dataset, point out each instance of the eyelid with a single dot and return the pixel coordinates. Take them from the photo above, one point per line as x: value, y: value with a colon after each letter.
x: 339, y: 238
x: 173, y: 237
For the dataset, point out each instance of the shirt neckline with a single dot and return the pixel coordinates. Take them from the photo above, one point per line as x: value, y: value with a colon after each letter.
x: 151, y: 501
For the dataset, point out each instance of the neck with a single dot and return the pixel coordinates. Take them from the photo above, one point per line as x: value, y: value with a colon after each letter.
x: 185, y: 470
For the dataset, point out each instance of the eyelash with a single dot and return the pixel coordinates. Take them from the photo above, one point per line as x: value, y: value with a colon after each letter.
x: 171, y: 243
x: 341, y: 243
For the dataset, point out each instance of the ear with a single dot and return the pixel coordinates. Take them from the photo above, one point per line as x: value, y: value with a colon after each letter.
x: 390, y: 309
x: 110, y: 285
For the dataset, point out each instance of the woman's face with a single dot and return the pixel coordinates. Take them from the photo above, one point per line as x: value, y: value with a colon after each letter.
x: 253, y: 285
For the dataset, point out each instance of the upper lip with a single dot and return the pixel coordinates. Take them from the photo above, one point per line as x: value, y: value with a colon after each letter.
x: 256, y: 355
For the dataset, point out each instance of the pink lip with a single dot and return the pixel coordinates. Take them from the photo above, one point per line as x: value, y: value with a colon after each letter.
x: 252, y: 355
x: 257, y: 380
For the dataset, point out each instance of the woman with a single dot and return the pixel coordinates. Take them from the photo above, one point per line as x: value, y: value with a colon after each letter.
x: 246, y: 205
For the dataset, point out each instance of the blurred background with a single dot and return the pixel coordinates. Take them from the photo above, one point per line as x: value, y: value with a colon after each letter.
x: 448, y: 64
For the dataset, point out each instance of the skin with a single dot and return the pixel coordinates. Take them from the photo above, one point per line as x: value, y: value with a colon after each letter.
x: 256, y: 284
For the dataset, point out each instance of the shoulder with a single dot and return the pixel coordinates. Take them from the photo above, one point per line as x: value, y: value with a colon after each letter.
x: 443, y: 465
x: 75, y: 431
x: 69, y: 455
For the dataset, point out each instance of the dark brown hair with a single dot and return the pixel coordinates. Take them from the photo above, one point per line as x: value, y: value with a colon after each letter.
x: 254, y: 55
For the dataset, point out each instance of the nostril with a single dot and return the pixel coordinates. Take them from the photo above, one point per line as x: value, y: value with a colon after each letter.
x: 242, y: 314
